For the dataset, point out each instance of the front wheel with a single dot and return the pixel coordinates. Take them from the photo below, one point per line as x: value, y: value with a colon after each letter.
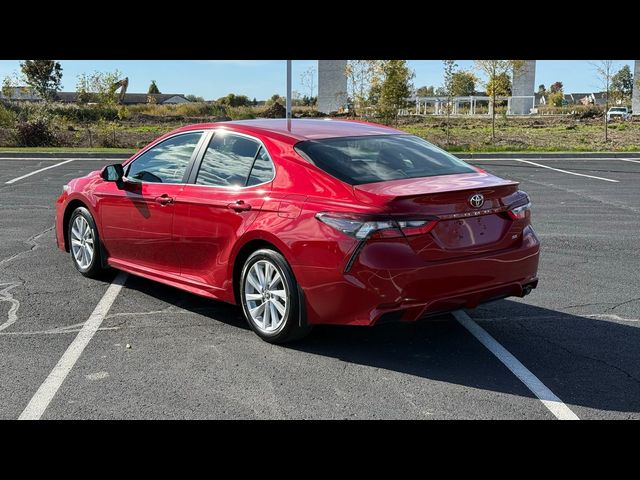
x: 270, y: 299
x: 84, y: 243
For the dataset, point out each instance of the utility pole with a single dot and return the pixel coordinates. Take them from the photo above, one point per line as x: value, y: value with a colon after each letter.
x: 288, y: 89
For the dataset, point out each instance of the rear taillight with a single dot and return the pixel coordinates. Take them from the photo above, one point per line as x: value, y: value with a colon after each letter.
x: 416, y: 227
x: 519, y: 213
x: 363, y: 227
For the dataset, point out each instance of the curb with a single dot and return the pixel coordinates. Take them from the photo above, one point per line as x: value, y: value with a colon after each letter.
x: 63, y: 155
x: 466, y: 155
x: 547, y: 155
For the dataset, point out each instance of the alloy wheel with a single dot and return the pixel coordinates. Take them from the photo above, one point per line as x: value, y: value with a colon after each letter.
x: 82, y: 242
x: 266, y: 296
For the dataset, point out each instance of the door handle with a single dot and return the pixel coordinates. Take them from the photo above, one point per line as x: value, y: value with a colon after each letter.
x: 164, y: 200
x: 239, y: 206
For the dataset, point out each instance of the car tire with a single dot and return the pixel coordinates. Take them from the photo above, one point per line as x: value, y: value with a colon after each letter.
x: 270, y: 298
x: 84, y: 243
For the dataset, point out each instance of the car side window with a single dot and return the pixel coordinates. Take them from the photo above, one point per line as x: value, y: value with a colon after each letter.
x: 227, y: 161
x: 262, y: 170
x: 166, y: 162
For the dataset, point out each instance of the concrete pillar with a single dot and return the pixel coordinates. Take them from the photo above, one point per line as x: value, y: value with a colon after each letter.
x: 524, y: 84
x: 332, y: 85
x: 635, y: 101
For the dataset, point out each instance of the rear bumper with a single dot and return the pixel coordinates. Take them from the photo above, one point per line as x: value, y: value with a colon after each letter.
x: 374, y: 290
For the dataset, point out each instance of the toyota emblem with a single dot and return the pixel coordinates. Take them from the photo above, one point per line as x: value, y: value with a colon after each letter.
x: 476, y: 200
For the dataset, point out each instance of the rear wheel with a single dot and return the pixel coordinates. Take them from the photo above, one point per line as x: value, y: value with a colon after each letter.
x: 84, y: 243
x: 270, y: 299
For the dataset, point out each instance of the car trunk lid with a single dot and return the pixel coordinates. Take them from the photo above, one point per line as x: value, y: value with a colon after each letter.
x: 462, y: 229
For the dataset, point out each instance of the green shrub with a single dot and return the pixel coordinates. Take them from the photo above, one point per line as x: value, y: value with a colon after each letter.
x: 123, y: 113
x: 590, y: 111
x: 36, y: 133
x: 84, y: 113
x: 107, y: 134
x: 241, y: 113
x: 555, y: 99
x: 181, y: 110
x: 7, y: 117
x: 233, y: 100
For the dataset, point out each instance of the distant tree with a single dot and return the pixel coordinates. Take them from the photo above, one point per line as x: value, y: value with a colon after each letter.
x: 254, y: 102
x: 542, y: 90
x: 275, y: 98
x: 425, y: 91
x: 7, y: 87
x: 9, y: 83
x: 449, y: 67
x: 194, y: 98
x: 310, y: 101
x: 463, y: 83
x: 556, y: 87
x: 44, y: 76
x: 83, y: 94
x: 395, y: 88
x: 622, y: 84
x: 98, y: 86
x: 556, y: 99
x: 604, y: 70
x: 296, y: 99
x: 153, y: 88
x: 233, y: 100
x: 494, y: 69
x: 500, y: 85
x: 363, y: 83
x: 308, y: 81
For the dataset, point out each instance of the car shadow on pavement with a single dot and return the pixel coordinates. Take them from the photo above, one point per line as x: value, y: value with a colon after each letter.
x: 212, y: 309
x: 585, y: 361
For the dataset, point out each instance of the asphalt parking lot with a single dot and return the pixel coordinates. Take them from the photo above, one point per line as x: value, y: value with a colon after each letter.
x: 577, y: 335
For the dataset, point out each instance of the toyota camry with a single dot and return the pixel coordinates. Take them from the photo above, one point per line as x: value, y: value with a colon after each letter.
x: 304, y: 222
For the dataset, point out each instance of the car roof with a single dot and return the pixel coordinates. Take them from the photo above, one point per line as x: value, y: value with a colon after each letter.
x: 299, y: 129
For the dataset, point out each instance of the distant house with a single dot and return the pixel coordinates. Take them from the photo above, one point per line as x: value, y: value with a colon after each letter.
x: 133, y: 98
x: 592, y: 98
x: 20, y: 94
x: 26, y: 94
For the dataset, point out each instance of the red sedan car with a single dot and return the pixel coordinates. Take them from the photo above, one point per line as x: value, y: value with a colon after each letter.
x: 303, y: 222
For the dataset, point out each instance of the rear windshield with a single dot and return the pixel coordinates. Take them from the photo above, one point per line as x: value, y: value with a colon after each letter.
x: 358, y: 160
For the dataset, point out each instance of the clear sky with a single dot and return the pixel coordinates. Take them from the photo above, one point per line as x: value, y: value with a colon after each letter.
x: 212, y: 79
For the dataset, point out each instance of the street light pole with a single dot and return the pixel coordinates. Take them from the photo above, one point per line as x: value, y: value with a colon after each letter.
x: 288, y: 89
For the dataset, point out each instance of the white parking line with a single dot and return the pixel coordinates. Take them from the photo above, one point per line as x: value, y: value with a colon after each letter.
x: 38, y: 171
x: 556, y: 406
x: 42, y: 398
x: 566, y: 171
x: 553, y: 159
x: 629, y: 160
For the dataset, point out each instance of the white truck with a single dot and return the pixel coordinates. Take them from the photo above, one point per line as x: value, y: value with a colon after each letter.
x: 618, y: 113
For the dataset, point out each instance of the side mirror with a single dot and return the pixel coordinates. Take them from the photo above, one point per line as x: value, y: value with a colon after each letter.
x: 114, y: 173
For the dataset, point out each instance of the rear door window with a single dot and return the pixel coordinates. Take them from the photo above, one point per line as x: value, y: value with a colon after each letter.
x: 227, y: 161
x: 262, y: 171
